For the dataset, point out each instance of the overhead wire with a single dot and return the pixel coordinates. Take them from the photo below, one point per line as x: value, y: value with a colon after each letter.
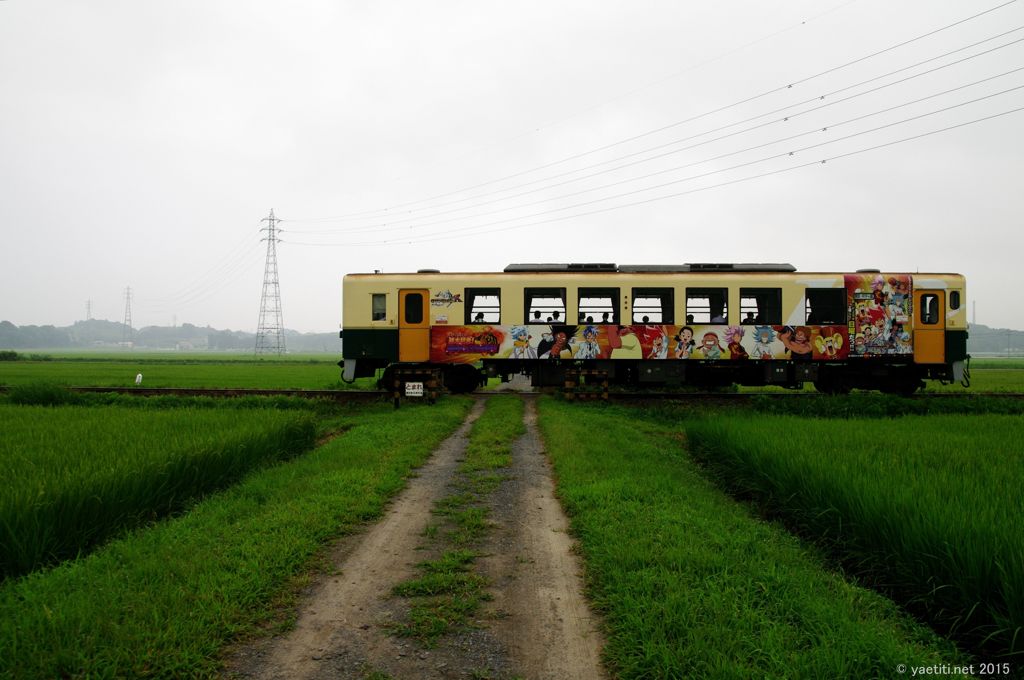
x: 746, y: 100
x: 387, y: 225
x: 224, y: 271
x: 815, y: 130
x: 536, y: 128
x: 739, y: 180
x: 476, y: 230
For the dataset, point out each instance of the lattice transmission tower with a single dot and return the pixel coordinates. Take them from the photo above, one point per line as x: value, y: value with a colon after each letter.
x: 270, y: 333
x: 126, y: 330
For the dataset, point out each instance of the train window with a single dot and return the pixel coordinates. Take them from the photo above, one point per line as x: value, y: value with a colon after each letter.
x: 414, y: 308
x: 379, y: 307
x: 930, y: 309
x: 707, y: 305
x: 761, y: 306
x: 825, y: 306
x: 599, y: 305
x: 483, y: 305
x: 653, y: 305
x: 954, y: 299
x: 544, y: 305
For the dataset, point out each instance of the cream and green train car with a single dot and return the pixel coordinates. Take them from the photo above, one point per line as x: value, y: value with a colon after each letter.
x: 695, y: 324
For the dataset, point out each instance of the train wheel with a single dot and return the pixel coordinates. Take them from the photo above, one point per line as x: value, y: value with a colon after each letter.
x: 386, y: 380
x: 832, y: 385
x: 461, y: 379
x: 904, y: 388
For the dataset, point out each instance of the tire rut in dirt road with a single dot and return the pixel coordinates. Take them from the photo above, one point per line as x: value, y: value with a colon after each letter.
x: 548, y: 627
x: 338, y: 628
x: 536, y: 627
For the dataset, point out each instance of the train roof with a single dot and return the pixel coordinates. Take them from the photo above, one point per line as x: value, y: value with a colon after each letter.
x: 612, y: 268
x: 660, y: 268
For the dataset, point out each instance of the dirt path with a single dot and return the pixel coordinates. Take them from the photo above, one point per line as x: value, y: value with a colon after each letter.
x: 536, y: 627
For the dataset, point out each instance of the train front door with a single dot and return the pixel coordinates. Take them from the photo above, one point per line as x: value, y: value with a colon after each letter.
x: 930, y: 326
x: 413, y: 325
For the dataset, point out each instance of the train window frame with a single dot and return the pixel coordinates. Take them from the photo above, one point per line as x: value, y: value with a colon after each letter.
x: 484, y: 312
x: 929, y: 309
x: 829, y: 312
x: 666, y: 311
x: 378, y: 306
x: 954, y: 300
x: 602, y: 301
x: 421, y: 308
x: 762, y: 306
x: 704, y: 314
x: 544, y: 314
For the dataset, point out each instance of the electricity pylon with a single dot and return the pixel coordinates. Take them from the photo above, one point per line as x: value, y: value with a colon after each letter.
x: 126, y: 331
x: 270, y: 333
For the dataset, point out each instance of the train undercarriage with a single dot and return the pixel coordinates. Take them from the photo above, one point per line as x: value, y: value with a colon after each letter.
x: 828, y: 377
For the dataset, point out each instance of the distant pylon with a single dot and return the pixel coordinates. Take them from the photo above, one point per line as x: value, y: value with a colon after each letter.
x: 126, y: 331
x: 88, y: 310
x: 270, y: 333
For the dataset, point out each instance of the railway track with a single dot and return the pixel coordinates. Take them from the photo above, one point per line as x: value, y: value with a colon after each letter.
x: 370, y: 395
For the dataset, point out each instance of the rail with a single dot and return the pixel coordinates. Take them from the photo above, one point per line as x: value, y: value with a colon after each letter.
x: 369, y: 395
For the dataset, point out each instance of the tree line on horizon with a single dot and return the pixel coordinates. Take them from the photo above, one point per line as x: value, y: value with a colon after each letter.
x: 97, y: 333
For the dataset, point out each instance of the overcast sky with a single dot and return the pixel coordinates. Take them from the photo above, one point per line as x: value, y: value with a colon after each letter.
x: 142, y: 143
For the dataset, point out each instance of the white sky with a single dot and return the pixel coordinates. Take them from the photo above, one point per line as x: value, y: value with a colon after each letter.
x: 142, y: 142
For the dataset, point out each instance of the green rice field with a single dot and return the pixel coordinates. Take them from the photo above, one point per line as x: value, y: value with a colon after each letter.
x: 139, y: 537
x: 929, y: 508
x: 691, y: 583
x: 75, y: 476
x: 196, y: 374
x: 163, y: 601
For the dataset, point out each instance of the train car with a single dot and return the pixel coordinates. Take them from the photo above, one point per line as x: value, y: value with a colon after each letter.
x: 690, y: 324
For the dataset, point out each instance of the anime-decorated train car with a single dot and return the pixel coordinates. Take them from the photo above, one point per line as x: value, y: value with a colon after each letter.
x: 700, y: 324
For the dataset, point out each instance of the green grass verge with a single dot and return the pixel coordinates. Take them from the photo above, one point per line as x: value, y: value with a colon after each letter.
x: 76, y: 476
x: 930, y: 508
x: 164, y: 600
x: 691, y: 584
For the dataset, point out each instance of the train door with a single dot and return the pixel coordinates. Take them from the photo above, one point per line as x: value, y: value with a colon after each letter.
x: 413, y: 326
x: 930, y: 326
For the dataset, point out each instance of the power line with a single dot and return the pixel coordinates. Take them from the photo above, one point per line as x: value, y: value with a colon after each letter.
x: 386, y: 226
x: 818, y: 129
x: 781, y: 88
x: 451, y: 235
x: 542, y: 126
x: 719, y: 157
